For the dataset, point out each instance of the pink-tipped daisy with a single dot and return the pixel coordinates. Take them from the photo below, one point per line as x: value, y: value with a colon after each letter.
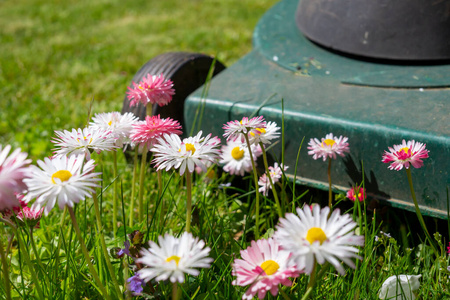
x: 13, y: 170
x: 173, y: 153
x: 147, y: 132
x: 62, y: 179
x: 276, y: 172
x: 235, y: 129
x: 356, y: 193
x: 173, y: 258
x: 264, y: 266
x: 405, y: 154
x: 236, y: 157
x: 154, y: 89
x: 83, y: 141
x: 118, y: 125
x: 264, y: 135
x: 311, y: 236
x: 24, y: 214
x: 328, y: 147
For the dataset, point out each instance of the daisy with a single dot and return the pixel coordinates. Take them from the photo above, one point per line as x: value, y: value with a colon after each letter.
x: 13, y: 170
x: 264, y: 265
x: 236, y: 158
x: 24, y: 214
x: 83, y: 141
x: 235, y: 129
x: 311, y: 236
x: 62, y: 179
x: 400, y: 287
x: 118, y: 125
x: 172, y: 152
x: 357, y: 193
x: 276, y: 173
x: 152, y: 89
x: 173, y: 258
x: 264, y: 135
x: 328, y: 147
x: 146, y: 132
x: 406, y: 153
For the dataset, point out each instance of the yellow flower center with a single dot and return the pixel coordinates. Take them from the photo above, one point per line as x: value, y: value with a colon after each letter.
x: 109, y: 123
x: 190, y: 147
x: 62, y: 175
x: 405, y: 149
x: 175, y: 258
x: 328, y: 142
x: 237, y: 153
x: 270, y: 267
x: 316, y: 234
x: 258, y: 131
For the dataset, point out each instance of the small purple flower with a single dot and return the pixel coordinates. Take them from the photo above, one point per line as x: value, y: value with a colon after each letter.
x: 136, y: 284
x: 125, y: 250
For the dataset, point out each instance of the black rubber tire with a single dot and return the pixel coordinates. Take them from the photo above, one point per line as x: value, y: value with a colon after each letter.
x: 188, y: 71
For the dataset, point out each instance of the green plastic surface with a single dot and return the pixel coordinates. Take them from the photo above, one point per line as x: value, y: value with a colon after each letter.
x: 374, y: 105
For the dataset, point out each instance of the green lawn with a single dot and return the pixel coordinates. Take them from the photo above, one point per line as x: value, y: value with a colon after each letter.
x: 57, y: 55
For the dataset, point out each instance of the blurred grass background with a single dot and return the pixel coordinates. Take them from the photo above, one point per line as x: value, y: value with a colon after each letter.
x: 55, y: 56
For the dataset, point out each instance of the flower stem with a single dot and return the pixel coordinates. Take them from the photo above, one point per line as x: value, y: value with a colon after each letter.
x: 141, y: 183
x: 133, y: 185
x: 104, y: 249
x: 175, y: 290
x: 33, y: 246
x: 255, y: 179
x: 275, y: 195
x: 26, y: 257
x: 115, y: 204
x: 188, y: 201
x: 313, y: 279
x: 418, y: 213
x: 5, y: 271
x: 330, y: 192
x: 86, y: 254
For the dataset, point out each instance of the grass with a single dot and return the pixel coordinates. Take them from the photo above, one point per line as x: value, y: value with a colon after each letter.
x: 57, y: 56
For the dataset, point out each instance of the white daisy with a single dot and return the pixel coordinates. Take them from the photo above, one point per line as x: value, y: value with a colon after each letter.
x: 13, y: 170
x: 62, y: 179
x: 235, y: 129
x: 311, y: 237
x: 265, y: 134
x: 173, y: 258
x: 119, y: 125
x: 83, y: 141
x: 328, y: 147
x: 236, y: 158
x: 171, y: 152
